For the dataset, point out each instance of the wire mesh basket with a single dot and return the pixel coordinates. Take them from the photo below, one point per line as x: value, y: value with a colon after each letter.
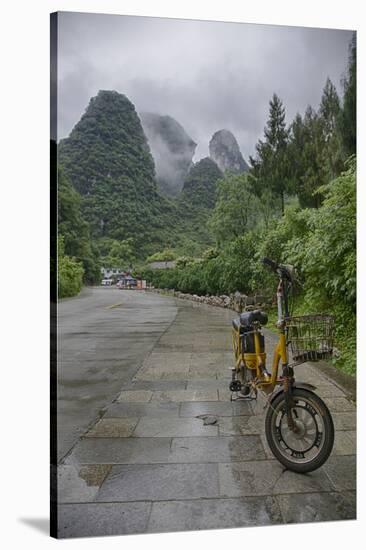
x: 311, y: 337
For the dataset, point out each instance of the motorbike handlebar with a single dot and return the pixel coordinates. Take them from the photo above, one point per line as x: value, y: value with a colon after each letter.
x: 285, y: 271
x: 270, y: 263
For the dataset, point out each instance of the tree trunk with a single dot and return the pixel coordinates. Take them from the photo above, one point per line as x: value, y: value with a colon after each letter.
x: 283, y: 203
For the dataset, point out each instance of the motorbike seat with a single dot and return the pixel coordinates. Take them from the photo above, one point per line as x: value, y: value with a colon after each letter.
x: 244, y: 323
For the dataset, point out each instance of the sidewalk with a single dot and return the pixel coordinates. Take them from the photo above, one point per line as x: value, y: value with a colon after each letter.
x: 154, y: 462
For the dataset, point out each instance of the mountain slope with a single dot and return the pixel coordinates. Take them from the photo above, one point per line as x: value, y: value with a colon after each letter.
x: 107, y: 159
x: 198, y: 199
x: 200, y: 184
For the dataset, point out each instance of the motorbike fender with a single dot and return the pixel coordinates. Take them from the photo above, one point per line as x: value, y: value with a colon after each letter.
x: 302, y: 385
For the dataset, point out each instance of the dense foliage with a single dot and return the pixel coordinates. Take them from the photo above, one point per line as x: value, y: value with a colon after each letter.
x: 199, y: 186
x: 69, y: 272
x: 195, y: 205
x: 271, y: 164
x: 347, y: 119
x: 75, y: 230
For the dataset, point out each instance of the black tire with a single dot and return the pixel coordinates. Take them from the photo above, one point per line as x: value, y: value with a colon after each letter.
x: 312, y: 445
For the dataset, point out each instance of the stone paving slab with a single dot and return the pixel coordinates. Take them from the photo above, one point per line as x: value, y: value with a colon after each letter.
x: 344, y: 443
x: 268, y: 477
x: 329, y: 390
x: 352, y: 435
x: 213, y: 514
x: 173, y: 427
x: 212, y: 408
x: 152, y: 410
x: 113, y: 427
x: 160, y: 482
x: 211, y: 360
x: 216, y: 449
x: 173, y: 359
x: 80, y: 483
x: 202, y: 373
x: 341, y: 470
x: 147, y: 450
x: 241, y: 425
x: 164, y: 373
x: 135, y: 396
x: 97, y: 519
x: 180, y: 396
x: 339, y: 404
x: 344, y: 420
x: 156, y: 385
x: 302, y: 508
x: 208, y: 383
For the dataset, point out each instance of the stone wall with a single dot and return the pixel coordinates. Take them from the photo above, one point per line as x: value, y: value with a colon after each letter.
x: 237, y: 301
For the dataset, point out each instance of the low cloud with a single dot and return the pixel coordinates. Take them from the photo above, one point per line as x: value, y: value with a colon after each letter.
x: 207, y: 75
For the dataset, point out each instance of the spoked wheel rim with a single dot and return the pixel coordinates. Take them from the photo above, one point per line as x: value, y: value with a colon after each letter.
x: 307, y: 441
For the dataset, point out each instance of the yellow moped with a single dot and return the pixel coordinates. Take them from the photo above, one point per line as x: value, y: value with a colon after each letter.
x: 298, y: 425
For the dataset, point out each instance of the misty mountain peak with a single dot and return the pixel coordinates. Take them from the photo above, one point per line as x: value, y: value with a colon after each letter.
x: 224, y: 150
x: 172, y: 149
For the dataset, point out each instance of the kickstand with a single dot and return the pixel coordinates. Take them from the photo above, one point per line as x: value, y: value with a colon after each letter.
x: 240, y: 397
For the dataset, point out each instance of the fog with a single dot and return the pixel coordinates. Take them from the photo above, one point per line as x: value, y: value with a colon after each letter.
x: 207, y: 75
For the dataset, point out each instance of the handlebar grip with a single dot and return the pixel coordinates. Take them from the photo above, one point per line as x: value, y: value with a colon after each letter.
x: 270, y: 263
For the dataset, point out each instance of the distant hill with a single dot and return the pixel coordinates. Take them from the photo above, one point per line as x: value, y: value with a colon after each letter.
x: 200, y: 184
x: 198, y: 199
x: 172, y: 150
x: 108, y: 161
x: 224, y: 150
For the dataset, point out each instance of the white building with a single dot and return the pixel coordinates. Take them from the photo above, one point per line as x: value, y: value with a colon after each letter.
x: 108, y: 272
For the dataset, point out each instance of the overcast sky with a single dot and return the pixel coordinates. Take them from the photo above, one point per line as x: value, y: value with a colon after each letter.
x: 206, y: 75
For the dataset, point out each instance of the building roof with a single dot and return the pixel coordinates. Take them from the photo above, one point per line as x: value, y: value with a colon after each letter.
x: 162, y: 265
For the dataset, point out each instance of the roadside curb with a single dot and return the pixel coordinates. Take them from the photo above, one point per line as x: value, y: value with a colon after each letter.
x: 344, y: 381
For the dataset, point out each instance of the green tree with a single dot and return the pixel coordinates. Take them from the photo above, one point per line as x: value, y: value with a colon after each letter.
x: 200, y: 184
x: 237, y: 208
x: 165, y: 255
x: 270, y: 167
x: 69, y: 272
x: 120, y: 254
x: 75, y: 230
x: 314, y: 150
x: 347, y: 118
x: 330, y: 252
x: 329, y: 112
x: 306, y: 158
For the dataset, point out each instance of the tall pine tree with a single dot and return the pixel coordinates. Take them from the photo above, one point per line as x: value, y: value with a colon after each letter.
x: 329, y: 113
x: 271, y: 164
x: 347, y: 119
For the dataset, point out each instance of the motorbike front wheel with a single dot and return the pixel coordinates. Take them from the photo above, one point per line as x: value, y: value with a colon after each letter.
x: 308, y: 446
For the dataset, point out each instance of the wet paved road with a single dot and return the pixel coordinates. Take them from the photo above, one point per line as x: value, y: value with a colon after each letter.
x: 148, y: 463
x: 103, y: 336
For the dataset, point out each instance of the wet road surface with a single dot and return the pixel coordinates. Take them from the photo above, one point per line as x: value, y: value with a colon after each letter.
x: 103, y: 336
x: 139, y: 374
